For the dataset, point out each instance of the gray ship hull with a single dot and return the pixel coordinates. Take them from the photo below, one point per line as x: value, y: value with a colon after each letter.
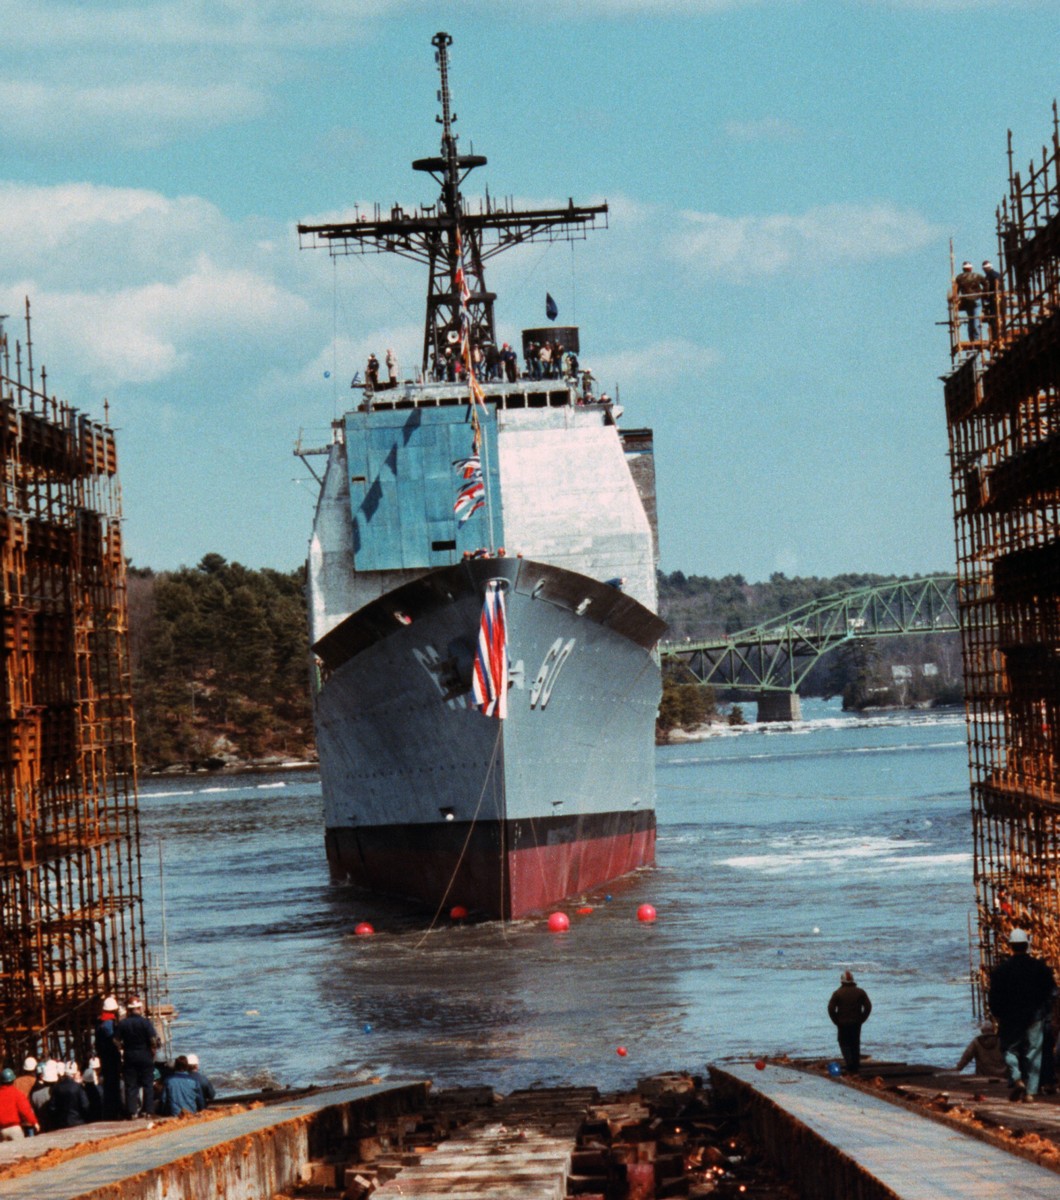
x: 426, y: 797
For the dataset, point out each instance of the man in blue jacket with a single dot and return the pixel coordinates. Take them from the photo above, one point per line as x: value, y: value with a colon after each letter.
x: 181, y: 1093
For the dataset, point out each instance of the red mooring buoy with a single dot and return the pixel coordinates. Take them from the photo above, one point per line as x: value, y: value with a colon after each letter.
x: 559, y: 922
x: 621, y: 1051
x: 363, y: 929
x: 646, y: 913
x: 458, y: 912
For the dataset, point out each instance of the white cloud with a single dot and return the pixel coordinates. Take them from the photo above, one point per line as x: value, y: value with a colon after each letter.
x: 664, y: 361
x: 135, y: 114
x: 738, y: 247
x: 140, y: 335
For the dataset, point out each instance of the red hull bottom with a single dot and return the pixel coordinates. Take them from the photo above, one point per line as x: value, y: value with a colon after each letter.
x: 524, y: 868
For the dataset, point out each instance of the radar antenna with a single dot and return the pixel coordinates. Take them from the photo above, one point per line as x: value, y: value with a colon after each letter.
x: 440, y: 234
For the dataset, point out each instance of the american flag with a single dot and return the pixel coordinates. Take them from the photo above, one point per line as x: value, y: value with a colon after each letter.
x: 489, y: 685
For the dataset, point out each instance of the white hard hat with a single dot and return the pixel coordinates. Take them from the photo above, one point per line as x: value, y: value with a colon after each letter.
x: 110, y: 1004
x: 30, y: 1064
x: 1018, y: 937
x: 193, y: 1060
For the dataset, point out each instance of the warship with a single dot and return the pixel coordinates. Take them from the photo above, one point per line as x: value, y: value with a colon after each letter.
x: 482, y: 587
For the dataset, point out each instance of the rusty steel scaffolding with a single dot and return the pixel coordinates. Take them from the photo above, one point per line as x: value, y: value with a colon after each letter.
x: 70, y: 878
x: 1003, y: 414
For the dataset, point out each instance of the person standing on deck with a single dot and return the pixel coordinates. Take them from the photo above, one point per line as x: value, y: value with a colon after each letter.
x: 371, y: 373
x: 138, y: 1040
x: 1021, y: 990
x: 849, y: 1008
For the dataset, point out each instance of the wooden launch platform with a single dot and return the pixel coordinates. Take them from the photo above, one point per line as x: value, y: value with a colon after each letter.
x: 898, y: 1133
x: 835, y: 1141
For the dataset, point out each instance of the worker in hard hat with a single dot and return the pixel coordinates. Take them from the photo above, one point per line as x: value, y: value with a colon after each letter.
x: 16, y: 1111
x: 1021, y: 990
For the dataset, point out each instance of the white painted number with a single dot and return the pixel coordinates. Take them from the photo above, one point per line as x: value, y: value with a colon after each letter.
x: 557, y: 655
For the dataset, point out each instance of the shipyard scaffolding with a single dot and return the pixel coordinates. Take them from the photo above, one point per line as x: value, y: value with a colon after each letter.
x: 70, y: 880
x: 1003, y: 414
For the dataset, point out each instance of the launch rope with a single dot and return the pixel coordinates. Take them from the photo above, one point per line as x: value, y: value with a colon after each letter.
x: 467, y: 840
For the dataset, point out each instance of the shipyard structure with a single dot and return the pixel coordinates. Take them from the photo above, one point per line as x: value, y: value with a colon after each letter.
x: 70, y: 893
x: 1003, y: 415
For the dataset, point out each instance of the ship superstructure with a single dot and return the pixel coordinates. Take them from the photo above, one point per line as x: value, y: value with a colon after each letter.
x: 476, y: 474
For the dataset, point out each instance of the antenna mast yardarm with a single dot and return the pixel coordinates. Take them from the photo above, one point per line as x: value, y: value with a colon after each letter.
x: 429, y: 233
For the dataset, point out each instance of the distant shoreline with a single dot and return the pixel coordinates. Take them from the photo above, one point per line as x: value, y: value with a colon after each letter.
x: 259, y: 766
x: 719, y: 725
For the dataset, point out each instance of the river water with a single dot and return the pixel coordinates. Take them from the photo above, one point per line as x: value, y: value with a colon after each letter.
x: 785, y: 855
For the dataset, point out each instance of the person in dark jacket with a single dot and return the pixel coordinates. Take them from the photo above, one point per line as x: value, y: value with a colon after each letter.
x: 181, y: 1092
x: 991, y: 298
x: 109, y: 1054
x: 209, y: 1092
x: 849, y: 1008
x: 1021, y: 991
x: 68, y: 1105
x: 138, y: 1041
x: 970, y: 286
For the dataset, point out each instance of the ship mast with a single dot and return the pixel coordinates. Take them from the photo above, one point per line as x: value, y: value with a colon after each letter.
x: 436, y: 234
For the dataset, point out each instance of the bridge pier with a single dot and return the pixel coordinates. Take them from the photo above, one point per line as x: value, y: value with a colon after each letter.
x: 779, y: 706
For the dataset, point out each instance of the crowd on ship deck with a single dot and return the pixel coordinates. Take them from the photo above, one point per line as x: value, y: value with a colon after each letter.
x: 492, y: 364
x: 125, y: 1077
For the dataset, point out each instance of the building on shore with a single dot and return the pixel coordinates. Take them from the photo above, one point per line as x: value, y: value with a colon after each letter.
x: 1003, y: 414
x: 71, y: 918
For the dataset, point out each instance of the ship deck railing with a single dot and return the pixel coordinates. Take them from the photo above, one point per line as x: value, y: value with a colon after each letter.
x: 524, y: 393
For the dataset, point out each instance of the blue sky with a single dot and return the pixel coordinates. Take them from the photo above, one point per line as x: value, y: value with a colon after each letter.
x: 784, y: 178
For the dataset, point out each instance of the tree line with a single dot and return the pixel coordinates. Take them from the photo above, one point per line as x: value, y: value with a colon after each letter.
x: 220, y: 657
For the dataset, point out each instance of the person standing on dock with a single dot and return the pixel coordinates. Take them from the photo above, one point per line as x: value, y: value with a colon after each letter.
x: 138, y: 1040
x: 1021, y: 990
x: 109, y: 1056
x: 849, y: 1009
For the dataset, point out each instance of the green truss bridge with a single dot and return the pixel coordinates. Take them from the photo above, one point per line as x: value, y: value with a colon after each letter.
x: 774, y: 658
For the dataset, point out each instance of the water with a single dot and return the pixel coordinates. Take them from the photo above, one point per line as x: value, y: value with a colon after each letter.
x: 784, y: 856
